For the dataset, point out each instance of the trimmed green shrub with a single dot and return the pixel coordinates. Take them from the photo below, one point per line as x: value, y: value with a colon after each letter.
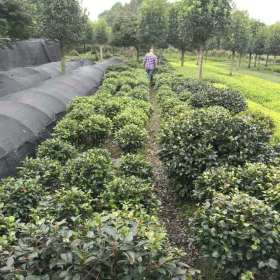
x: 229, y: 99
x: 135, y: 165
x: 56, y: 149
x: 8, y: 229
x: 70, y: 204
x: 253, y: 178
x: 272, y: 197
x: 128, y: 190
x: 88, y: 133
x: 130, y: 116
x: 198, y: 140
x: 19, y: 196
x: 194, y: 86
x: 45, y: 170
x: 238, y: 233
x: 120, y: 245
x: 90, y: 171
x: 131, y: 138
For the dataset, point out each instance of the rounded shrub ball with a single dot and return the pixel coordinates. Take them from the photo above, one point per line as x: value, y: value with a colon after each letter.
x: 57, y: 149
x: 131, y: 138
x: 238, y: 233
x: 89, y: 172
x: 135, y: 165
x: 45, y: 170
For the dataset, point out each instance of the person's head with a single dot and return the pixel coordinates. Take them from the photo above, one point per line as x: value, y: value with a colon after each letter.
x: 152, y: 50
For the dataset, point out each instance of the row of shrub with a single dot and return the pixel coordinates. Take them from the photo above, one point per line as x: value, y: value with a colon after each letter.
x: 79, y: 211
x: 220, y: 155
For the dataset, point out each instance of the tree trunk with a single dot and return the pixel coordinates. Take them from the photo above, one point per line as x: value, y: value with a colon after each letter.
x: 206, y: 55
x: 255, y: 63
x: 62, y: 64
x: 197, y: 58
x: 101, y: 52
x: 182, y: 58
x: 274, y: 61
x: 84, y: 47
x: 232, y: 63
x: 250, y: 60
x: 137, y: 54
x: 267, y: 58
x: 201, y: 56
x: 240, y: 60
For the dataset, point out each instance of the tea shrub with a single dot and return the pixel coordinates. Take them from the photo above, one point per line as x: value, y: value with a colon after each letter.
x: 130, y: 116
x: 272, y: 197
x: 19, y: 196
x: 198, y: 140
x: 69, y: 204
x: 88, y: 133
x: 253, y: 178
x: 128, y: 190
x: 135, y: 165
x: 239, y: 233
x: 131, y: 138
x: 45, y: 170
x: 229, y: 99
x: 90, y: 171
x: 53, y: 251
x: 56, y: 149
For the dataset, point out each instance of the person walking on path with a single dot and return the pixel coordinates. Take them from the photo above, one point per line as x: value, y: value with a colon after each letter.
x: 150, y: 64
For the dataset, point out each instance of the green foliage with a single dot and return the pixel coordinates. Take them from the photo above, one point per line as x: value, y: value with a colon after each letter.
x: 8, y: 227
x: 101, y: 32
x: 272, y: 197
x: 19, y: 196
x: 45, y: 170
x: 120, y: 245
x: 197, y: 140
x: 62, y: 20
x: 72, y: 205
x: 15, y: 19
x: 130, y: 116
x: 254, y: 178
x: 229, y: 99
x: 88, y: 133
x: 131, y: 138
x: 135, y: 165
x: 89, y: 171
x: 153, y: 23
x: 238, y: 233
x: 128, y: 190
x: 56, y: 149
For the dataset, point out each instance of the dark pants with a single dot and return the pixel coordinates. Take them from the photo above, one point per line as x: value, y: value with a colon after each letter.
x: 150, y: 74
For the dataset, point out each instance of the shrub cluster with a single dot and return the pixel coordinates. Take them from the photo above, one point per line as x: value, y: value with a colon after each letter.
x: 239, y: 233
x: 198, y: 140
x: 222, y: 157
x: 71, y: 214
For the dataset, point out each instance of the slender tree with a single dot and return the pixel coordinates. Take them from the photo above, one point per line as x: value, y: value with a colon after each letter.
x: 179, y: 29
x: 153, y: 23
x: 208, y: 18
x: 273, y: 41
x: 62, y: 20
x: 125, y: 31
x: 237, y: 36
x: 101, y: 34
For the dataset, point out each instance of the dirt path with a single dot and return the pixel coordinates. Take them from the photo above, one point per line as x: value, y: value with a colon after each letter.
x: 170, y: 216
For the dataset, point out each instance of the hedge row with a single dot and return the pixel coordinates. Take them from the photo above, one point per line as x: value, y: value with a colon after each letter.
x: 217, y: 153
x: 75, y: 211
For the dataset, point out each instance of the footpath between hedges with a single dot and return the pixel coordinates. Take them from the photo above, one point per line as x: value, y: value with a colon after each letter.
x: 170, y: 215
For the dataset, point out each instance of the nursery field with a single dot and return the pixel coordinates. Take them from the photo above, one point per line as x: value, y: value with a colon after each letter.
x: 261, y: 88
x: 99, y: 200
